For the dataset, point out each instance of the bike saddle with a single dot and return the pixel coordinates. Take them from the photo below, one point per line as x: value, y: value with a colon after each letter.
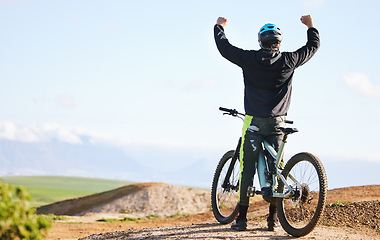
x: 289, y: 130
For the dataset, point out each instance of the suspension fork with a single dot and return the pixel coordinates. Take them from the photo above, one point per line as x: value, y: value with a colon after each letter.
x: 232, y: 165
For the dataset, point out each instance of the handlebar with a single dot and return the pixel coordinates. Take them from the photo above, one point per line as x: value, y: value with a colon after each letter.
x: 235, y: 113
x: 232, y: 112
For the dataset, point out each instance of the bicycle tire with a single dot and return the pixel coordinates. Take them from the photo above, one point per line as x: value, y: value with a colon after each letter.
x: 224, y: 201
x: 300, y: 214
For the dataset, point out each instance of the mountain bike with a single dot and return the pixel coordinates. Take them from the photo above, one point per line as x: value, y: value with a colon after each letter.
x: 299, y: 187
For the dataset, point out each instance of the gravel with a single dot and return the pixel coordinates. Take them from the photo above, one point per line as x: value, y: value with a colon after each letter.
x: 359, y: 220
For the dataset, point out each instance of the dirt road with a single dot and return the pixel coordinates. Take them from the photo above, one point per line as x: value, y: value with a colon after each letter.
x: 359, y: 220
x: 200, y: 226
x: 353, y: 213
x: 217, y: 231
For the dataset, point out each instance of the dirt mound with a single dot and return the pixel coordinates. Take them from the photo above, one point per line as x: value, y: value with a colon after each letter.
x: 357, y: 215
x: 354, y: 194
x: 138, y: 200
x: 353, y: 207
x: 351, y: 213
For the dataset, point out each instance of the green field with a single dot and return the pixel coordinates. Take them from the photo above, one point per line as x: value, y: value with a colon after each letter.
x: 49, y: 189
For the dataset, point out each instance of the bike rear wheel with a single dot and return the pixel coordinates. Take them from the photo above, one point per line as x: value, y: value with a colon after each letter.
x: 300, y: 213
x: 224, y: 199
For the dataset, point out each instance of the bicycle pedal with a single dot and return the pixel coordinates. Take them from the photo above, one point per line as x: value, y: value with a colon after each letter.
x: 251, y: 191
x: 265, y: 191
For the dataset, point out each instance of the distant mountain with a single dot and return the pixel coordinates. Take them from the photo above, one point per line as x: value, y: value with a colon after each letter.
x: 60, y: 158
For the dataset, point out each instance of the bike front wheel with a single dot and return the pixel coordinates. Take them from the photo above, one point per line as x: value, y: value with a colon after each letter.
x: 225, y: 194
x: 300, y: 213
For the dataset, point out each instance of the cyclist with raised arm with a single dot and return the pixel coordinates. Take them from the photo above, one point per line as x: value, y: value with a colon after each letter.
x: 268, y: 75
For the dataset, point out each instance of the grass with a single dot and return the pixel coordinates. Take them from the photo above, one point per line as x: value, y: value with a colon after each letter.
x: 126, y: 219
x: 327, y: 224
x: 54, y: 218
x: 50, y: 189
x: 131, y: 219
x: 177, y: 215
x: 337, y: 204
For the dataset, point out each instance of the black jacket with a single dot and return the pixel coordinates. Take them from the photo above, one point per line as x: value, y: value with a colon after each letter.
x: 267, y: 73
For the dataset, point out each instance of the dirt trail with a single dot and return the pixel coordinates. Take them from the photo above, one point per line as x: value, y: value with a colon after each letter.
x: 354, y: 214
x: 217, y: 231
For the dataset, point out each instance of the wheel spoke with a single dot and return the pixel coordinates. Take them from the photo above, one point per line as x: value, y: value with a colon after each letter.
x: 224, y: 199
x: 301, y: 212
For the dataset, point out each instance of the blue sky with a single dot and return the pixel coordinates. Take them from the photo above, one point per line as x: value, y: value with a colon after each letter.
x: 147, y: 73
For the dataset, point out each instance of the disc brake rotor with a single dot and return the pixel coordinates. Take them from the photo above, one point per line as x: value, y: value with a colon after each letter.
x: 301, y: 194
x: 297, y: 188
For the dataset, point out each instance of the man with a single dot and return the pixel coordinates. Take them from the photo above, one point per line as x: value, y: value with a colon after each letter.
x: 268, y: 77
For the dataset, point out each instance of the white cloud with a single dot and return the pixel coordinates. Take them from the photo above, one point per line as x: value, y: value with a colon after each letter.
x: 64, y: 134
x: 360, y: 83
x: 312, y: 4
x: 10, y: 131
x: 48, y: 131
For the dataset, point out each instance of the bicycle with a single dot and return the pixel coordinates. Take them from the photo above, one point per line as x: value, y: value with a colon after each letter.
x: 299, y: 187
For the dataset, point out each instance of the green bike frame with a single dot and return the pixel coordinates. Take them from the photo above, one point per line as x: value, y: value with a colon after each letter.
x: 262, y: 170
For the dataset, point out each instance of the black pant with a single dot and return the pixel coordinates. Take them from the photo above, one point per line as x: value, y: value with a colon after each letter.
x: 255, y: 130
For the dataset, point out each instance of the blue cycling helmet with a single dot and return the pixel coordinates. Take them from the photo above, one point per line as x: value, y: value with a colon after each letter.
x: 270, y: 33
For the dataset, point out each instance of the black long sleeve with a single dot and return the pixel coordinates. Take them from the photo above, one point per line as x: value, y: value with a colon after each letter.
x: 267, y: 73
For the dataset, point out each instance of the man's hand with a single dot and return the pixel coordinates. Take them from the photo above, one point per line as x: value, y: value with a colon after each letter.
x: 307, y: 20
x: 222, y: 21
